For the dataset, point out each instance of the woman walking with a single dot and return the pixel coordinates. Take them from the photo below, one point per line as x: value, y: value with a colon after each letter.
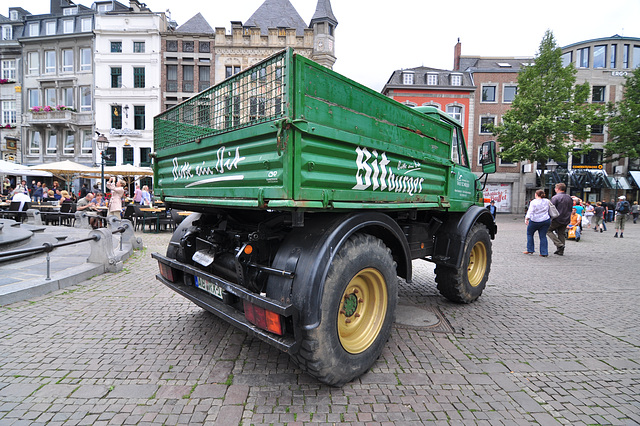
x: 538, y: 220
x: 117, y: 194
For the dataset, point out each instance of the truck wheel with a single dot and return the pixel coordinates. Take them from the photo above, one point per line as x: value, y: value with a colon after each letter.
x: 357, y: 313
x: 466, y: 283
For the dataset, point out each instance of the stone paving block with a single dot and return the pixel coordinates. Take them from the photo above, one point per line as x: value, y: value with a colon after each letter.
x: 209, y: 391
x: 173, y: 392
x: 133, y: 391
x: 16, y: 391
x: 236, y: 394
x: 55, y: 390
x: 230, y: 415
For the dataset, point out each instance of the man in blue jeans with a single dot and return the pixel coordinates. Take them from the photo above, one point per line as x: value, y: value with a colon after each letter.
x: 564, y: 204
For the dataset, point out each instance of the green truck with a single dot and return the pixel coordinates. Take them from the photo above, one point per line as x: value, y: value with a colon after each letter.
x: 311, y: 195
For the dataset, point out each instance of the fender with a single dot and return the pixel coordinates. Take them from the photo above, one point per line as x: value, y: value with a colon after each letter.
x: 450, y: 238
x: 310, y: 251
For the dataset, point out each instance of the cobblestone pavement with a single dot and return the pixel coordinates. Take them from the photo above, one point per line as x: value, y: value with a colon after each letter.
x: 552, y: 341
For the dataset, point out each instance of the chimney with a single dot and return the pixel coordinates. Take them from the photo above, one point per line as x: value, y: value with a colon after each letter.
x: 457, y: 52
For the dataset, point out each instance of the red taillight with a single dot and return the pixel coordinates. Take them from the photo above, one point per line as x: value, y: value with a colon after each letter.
x: 166, y: 271
x: 262, y: 318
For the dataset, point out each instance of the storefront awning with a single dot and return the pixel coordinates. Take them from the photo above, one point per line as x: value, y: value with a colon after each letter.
x: 636, y: 176
x: 621, y: 183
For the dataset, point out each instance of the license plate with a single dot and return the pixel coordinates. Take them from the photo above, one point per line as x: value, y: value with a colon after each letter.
x: 209, y: 287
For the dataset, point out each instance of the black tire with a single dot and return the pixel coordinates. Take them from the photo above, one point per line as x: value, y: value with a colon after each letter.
x: 465, y: 284
x: 357, y: 313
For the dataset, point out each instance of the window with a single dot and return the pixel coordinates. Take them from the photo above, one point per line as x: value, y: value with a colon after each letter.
x: 455, y: 154
x: 614, y: 54
x: 488, y: 93
x: 455, y: 112
x: 636, y: 57
x: 106, y: 7
x: 187, y: 46
x: 456, y: 80
x: 67, y: 26
x: 34, y: 29
x: 85, y: 59
x: 116, y: 116
x: 204, y: 47
x: 138, y: 77
x: 407, y: 78
x: 583, y: 57
x: 70, y: 11
x: 13, y: 15
x: 172, y: 45
x: 69, y: 143
x: 172, y: 78
x: 110, y: 156
x: 87, y: 142
x: 432, y: 79
x: 9, y: 115
x: 597, y: 129
x: 230, y: 70
x: 50, y: 27
x: 33, y: 59
x: 85, y: 99
x: 34, y: 98
x: 67, y: 60
x: 600, y: 56
x: 7, y: 32
x: 8, y: 68
x: 509, y: 93
x: 204, y: 73
x: 116, y: 77
x: 34, y: 143
x: 67, y: 97
x: 138, y: 117
x: 486, y: 124
x: 625, y: 56
x: 50, y: 97
x: 145, y: 157
x: 138, y: 47
x: 598, y: 93
x: 52, y: 143
x: 127, y: 155
x: 50, y: 61
x: 85, y: 24
x: 187, y: 78
x: 505, y: 162
x: 116, y: 47
x: 567, y: 58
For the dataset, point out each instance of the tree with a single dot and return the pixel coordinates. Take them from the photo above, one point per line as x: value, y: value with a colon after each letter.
x: 624, y: 121
x: 550, y: 114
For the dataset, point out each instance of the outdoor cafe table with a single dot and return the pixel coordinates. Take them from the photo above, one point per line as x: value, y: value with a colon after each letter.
x: 155, y: 211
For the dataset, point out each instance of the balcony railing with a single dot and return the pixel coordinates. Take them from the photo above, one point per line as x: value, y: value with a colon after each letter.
x: 172, y: 86
x: 187, y: 86
x: 203, y: 85
x: 60, y: 117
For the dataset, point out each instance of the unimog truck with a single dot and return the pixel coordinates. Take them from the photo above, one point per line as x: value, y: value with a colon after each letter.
x: 311, y: 195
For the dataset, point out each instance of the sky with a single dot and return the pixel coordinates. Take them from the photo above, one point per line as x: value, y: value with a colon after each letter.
x: 375, y: 38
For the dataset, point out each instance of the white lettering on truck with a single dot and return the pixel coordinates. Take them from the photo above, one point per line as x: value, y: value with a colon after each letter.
x: 378, y: 174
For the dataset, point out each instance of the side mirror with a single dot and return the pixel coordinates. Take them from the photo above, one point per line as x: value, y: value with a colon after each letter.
x: 488, y: 157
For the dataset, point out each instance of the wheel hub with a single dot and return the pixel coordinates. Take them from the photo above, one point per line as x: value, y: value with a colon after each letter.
x: 350, y: 305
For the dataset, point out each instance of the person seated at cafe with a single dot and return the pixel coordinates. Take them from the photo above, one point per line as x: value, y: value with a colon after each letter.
x: 576, y: 222
x: 65, y: 197
x: 48, y: 196
x: 86, y: 204
x: 99, y: 200
x: 22, y: 197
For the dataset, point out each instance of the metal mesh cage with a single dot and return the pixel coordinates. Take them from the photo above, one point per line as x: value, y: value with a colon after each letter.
x: 253, y: 96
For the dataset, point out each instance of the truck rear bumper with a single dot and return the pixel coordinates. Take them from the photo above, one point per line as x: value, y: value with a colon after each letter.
x: 228, y: 313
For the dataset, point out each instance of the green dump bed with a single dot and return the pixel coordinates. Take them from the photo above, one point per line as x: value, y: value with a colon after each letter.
x: 289, y: 133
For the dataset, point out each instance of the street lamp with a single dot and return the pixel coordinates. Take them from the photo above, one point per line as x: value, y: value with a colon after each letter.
x: 551, y: 166
x: 617, y: 175
x: 102, y: 143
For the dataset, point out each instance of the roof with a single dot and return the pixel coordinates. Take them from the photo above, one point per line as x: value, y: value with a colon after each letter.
x: 615, y: 37
x: 494, y: 64
x: 420, y: 80
x: 276, y: 14
x: 197, y: 24
x: 324, y: 13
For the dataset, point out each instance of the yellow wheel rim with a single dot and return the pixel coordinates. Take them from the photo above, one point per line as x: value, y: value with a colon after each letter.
x: 362, y: 310
x: 477, y: 264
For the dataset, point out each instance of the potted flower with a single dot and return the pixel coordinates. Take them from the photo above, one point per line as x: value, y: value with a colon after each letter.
x: 47, y: 108
x: 36, y: 109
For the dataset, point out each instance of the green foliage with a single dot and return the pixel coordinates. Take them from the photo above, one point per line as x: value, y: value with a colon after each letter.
x: 550, y: 114
x: 624, y: 121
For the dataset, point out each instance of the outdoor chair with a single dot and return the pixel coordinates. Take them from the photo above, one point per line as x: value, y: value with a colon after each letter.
x: 15, y: 212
